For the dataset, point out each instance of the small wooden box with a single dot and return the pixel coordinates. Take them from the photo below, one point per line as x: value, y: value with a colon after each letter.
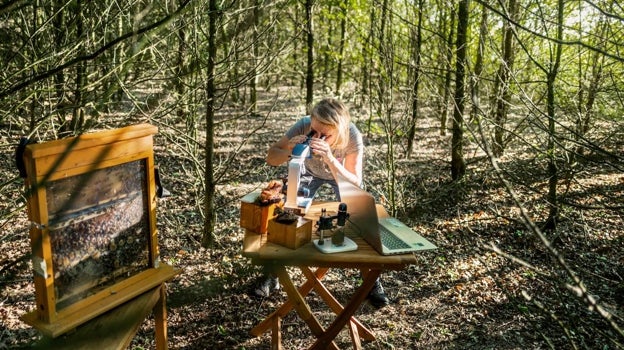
x: 255, y: 217
x: 292, y: 235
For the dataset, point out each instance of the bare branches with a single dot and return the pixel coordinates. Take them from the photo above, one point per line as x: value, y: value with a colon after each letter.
x: 577, y: 285
x: 561, y: 41
x: 91, y: 56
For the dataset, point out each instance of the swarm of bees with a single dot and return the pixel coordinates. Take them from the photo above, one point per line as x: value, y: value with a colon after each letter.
x: 96, y: 246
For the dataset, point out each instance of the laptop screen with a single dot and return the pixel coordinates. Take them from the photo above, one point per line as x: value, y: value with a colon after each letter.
x: 362, y: 211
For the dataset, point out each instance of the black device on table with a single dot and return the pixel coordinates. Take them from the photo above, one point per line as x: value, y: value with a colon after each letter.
x: 325, y: 222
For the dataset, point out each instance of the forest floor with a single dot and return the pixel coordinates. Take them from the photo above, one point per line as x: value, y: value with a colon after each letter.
x: 463, y: 295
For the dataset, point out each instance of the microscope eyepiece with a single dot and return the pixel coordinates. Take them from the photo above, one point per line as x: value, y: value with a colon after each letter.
x: 309, y: 136
x: 311, y: 133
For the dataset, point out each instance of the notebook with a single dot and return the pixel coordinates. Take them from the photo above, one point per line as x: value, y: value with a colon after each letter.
x: 387, y: 235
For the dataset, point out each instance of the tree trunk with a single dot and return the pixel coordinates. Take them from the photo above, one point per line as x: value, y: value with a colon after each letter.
x: 415, y: 102
x: 384, y: 19
x: 58, y: 21
x: 586, y: 107
x: 77, y: 120
x: 369, y: 60
x: 253, y: 84
x: 310, y: 63
x: 503, y: 78
x: 553, y: 171
x: 179, y: 85
x: 367, y: 57
x: 326, y: 61
x: 385, y: 90
x: 343, y: 34
x: 32, y: 112
x: 209, y: 183
x: 297, y: 50
x: 475, y: 81
x: 458, y: 165
x: 446, y: 93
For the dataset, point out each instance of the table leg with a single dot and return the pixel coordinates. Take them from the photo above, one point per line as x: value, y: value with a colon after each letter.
x: 288, y: 305
x: 355, y: 336
x: 276, y: 334
x: 160, y: 316
x: 360, y: 330
x: 325, y: 338
x: 360, y: 295
x: 303, y: 309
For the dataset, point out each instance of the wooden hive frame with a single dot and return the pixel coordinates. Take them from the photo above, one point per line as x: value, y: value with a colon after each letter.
x: 61, y: 159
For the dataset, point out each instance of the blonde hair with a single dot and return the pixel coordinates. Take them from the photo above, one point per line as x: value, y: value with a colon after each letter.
x: 332, y: 112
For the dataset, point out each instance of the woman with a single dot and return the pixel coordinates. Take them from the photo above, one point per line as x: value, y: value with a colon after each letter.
x: 337, y: 149
x: 336, y: 144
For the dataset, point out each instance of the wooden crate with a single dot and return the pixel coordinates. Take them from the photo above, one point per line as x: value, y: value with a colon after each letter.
x: 255, y: 217
x: 292, y: 235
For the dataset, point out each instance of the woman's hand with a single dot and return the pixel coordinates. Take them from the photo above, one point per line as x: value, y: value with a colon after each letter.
x: 321, y: 148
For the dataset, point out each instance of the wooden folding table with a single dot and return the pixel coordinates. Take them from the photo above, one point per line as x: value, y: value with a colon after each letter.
x: 365, y: 258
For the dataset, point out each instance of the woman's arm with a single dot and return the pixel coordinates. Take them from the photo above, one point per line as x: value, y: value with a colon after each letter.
x: 350, y: 169
x: 280, y: 151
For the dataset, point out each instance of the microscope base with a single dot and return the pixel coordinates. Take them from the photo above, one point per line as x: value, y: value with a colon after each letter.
x: 301, y: 208
x: 327, y: 247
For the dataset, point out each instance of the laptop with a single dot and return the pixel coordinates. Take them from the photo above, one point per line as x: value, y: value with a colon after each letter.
x: 387, y: 235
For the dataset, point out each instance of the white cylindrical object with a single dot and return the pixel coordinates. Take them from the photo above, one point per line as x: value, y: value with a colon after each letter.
x: 294, y: 174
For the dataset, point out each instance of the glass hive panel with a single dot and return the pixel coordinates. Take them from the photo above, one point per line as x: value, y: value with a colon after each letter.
x: 99, y: 229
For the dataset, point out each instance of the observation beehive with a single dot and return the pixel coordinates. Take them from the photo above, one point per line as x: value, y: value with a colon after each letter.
x: 92, y: 208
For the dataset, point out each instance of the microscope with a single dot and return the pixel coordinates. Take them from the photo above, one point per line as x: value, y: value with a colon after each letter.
x: 296, y: 199
x: 338, y: 242
x: 298, y: 202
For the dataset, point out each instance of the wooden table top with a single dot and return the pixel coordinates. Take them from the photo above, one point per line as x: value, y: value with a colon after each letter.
x: 365, y: 256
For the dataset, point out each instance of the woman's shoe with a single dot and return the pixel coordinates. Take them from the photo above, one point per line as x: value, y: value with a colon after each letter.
x: 265, y: 286
x: 377, y: 297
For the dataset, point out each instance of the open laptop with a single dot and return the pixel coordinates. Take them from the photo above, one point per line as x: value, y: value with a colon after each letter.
x: 388, y: 235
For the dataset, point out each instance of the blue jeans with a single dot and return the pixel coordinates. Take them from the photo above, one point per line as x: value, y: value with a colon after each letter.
x: 314, y: 183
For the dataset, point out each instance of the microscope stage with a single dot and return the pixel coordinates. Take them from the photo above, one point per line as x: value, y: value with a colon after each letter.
x: 327, y: 247
x: 303, y: 204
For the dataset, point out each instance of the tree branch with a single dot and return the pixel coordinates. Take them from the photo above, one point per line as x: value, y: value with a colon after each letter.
x: 44, y: 75
x: 546, y: 37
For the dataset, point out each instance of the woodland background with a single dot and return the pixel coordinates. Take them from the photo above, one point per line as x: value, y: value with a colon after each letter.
x: 495, y: 128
